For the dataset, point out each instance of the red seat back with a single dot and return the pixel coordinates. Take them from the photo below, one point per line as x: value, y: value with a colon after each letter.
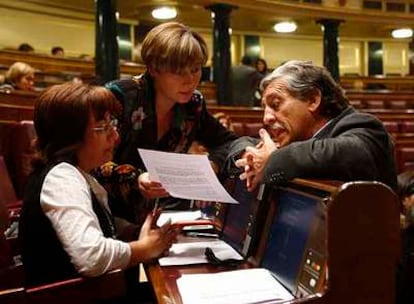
x: 407, y: 126
x: 252, y: 128
x: 391, y: 126
x: 25, y: 135
x: 405, y: 157
x: 7, y: 194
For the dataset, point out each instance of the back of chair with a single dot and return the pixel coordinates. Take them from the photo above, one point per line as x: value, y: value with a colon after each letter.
x: 7, y: 194
x: 405, y: 157
x: 407, y: 127
x: 374, y: 104
x: 80, y: 290
x: 252, y: 128
x: 363, y: 243
x: 25, y: 135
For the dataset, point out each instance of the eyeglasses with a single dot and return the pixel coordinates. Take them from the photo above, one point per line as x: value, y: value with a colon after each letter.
x: 107, y: 127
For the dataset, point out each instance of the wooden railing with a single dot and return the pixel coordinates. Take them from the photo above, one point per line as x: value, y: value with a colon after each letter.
x: 395, y: 83
x: 384, y: 99
x: 46, y: 63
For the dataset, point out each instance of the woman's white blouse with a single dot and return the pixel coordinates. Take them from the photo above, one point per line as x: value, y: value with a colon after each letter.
x: 66, y: 200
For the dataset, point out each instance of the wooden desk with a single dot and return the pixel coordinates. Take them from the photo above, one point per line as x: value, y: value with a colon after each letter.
x: 363, y: 245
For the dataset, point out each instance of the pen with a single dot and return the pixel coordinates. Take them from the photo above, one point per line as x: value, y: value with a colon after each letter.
x: 156, y: 203
x: 203, y: 234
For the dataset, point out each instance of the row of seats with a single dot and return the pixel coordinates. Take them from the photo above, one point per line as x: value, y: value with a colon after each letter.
x: 405, y: 158
x: 247, y: 128
x: 381, y: 104
x: 399, y: 126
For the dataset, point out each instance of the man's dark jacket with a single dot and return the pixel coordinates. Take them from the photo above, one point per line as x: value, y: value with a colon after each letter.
x: 353, y: 146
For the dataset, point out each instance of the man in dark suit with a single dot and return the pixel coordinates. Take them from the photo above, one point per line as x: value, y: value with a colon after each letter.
x: 244, y: 81
x: 314, y: 133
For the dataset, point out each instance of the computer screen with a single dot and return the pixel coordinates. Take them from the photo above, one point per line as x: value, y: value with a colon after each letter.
x: 240, y: 217
x: 295, y: 250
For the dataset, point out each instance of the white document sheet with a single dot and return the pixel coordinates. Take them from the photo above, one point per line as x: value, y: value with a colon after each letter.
x: 177, y: 216
x: 191, y: 251
x: 185, y: 176
x: 256, y: 285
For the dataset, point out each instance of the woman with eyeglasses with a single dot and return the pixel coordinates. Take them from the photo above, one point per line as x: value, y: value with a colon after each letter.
x: 66, y: 227
x: 162, y: 110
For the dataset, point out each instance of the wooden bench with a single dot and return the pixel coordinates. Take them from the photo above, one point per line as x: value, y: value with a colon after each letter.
x: 46, y: 63
x: 381, y: 99
x: 397, y: 83
x: 18, y: 98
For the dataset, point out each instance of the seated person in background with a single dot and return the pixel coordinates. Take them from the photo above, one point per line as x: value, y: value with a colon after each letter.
x: 314, y: 133
x: 405, y: 277
x: 57, y: 51
x: 20, y: 76
x: 25, y: 47
x: 261, y: 66
x: 406, y: 196
x: 163, y: 111
x: 244, y: 82
x: 66, y: 227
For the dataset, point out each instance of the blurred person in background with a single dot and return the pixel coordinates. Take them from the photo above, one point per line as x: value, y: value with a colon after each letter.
x: 261, y: 66
x: 405, y: 273
x: 244, y: 82
x: 57, y: 51
x: 25, y: 47
x: 20, y: 76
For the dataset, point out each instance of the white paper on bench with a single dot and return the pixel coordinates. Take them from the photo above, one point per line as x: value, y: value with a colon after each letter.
x: 256, y: 285
x: 191, y: 251
x: 177, y: 216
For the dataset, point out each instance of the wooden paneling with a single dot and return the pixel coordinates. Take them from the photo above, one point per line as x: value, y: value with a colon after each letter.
x: 277, y: 50
x: 350, y: 53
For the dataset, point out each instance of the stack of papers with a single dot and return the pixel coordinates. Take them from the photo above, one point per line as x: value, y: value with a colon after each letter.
x: 256, y: 285
x: 178, y: 216
x: 191, y: 251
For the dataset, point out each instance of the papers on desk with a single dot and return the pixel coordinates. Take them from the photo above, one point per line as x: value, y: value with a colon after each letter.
x: 185, y: 176
x: 256, y: 285
x: 191, y: 251
x: 178, y: 216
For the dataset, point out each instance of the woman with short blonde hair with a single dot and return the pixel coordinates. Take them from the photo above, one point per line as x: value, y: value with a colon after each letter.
x: 162, y: 110
x: 20, y: 76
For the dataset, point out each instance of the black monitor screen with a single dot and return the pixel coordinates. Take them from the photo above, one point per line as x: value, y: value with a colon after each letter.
x: 238, y: 215
x: 289, y: 234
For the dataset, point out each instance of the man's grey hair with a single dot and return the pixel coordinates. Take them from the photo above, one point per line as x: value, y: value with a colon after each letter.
x: 303, y: 80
